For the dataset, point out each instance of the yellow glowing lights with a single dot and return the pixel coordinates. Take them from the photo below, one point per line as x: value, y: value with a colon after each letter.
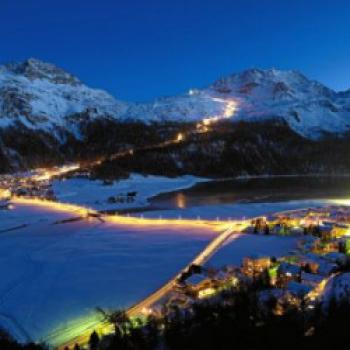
x: 57, y: 206
x: 230, y: 108
x: 180, y: 137
x: 47, y: 174
x: 207, y: 121
x: 117, y: 219
x: 4, y: 193
x: 181, y: 201
x: 205, y: 293
x: 345, y: 202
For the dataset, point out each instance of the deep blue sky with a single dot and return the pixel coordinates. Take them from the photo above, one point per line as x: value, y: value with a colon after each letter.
x: 141, y: 49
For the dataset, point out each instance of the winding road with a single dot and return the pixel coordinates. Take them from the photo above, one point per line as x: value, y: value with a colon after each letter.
x: 137, y: 309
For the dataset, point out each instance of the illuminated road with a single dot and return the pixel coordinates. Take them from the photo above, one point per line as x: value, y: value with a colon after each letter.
x: 80, y: 212
x: 105, y: 327
x: 200, y: 259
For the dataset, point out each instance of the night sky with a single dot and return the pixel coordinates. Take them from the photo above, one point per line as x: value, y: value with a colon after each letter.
x: 138, y: 50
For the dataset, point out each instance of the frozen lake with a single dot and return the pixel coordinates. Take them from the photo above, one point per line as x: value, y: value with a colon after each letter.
x: 55, y: 273
x: 256, y: 190
x: 239, y: 198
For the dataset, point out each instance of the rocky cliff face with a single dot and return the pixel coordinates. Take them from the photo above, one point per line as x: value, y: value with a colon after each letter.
x: 48, y: 115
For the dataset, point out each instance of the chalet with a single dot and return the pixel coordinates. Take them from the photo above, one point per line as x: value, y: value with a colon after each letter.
x: 196, y: 279
x: 287, y: 272
x: 311, y: 280
x: 340, y: 230
x: 325, y: 246
x: 330, y: 230
x: 310, y: 265
x: 253, y: 266
x: 290, y: 220
x: 277, y: 300
x: 298, y: 289
x: 259, y: 224
x: 325, y: 266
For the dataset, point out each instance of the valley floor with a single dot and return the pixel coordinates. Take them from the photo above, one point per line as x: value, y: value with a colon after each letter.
x: 54, y: 275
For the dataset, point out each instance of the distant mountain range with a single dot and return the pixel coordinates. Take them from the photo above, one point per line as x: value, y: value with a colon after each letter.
x: 48, y: 115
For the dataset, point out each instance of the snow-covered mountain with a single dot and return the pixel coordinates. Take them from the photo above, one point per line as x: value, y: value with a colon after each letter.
x: 39, y: 95
x: 309, y: 107
x: 48, y: 115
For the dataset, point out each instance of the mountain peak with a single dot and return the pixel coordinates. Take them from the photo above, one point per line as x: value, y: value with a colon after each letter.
x: 255, y: 80
x: 48, y: 96
x: 258, y: 75
x: 33, y: 68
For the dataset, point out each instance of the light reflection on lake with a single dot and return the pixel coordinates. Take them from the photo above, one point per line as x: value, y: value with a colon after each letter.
x: 255, y: 190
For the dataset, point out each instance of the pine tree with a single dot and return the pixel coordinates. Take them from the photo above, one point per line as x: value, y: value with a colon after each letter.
x: 94, y: 341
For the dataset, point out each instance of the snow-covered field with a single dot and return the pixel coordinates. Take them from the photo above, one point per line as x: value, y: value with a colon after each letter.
x: 94, y: 194
x: 52, y: 274
x: 21, y: 216
x: 243, y: 245
x: 55, y: 275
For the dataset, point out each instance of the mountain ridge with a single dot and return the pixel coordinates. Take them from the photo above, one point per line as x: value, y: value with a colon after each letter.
x: 35, y: 90
x: 42, y: 102
x: 44, y: 96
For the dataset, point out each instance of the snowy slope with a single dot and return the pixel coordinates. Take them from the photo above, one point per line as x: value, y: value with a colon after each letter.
x: 42, y: 96
x: 309, y: 107
x: 191, y: 107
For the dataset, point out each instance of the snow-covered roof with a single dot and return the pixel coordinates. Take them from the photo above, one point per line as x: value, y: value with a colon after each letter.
x: 298, y: 289
x: 311, y: 279
x: 289, y: 268
x: 196, y: 278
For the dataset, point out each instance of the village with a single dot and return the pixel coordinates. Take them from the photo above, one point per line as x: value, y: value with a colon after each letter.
x: 299, y: 278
